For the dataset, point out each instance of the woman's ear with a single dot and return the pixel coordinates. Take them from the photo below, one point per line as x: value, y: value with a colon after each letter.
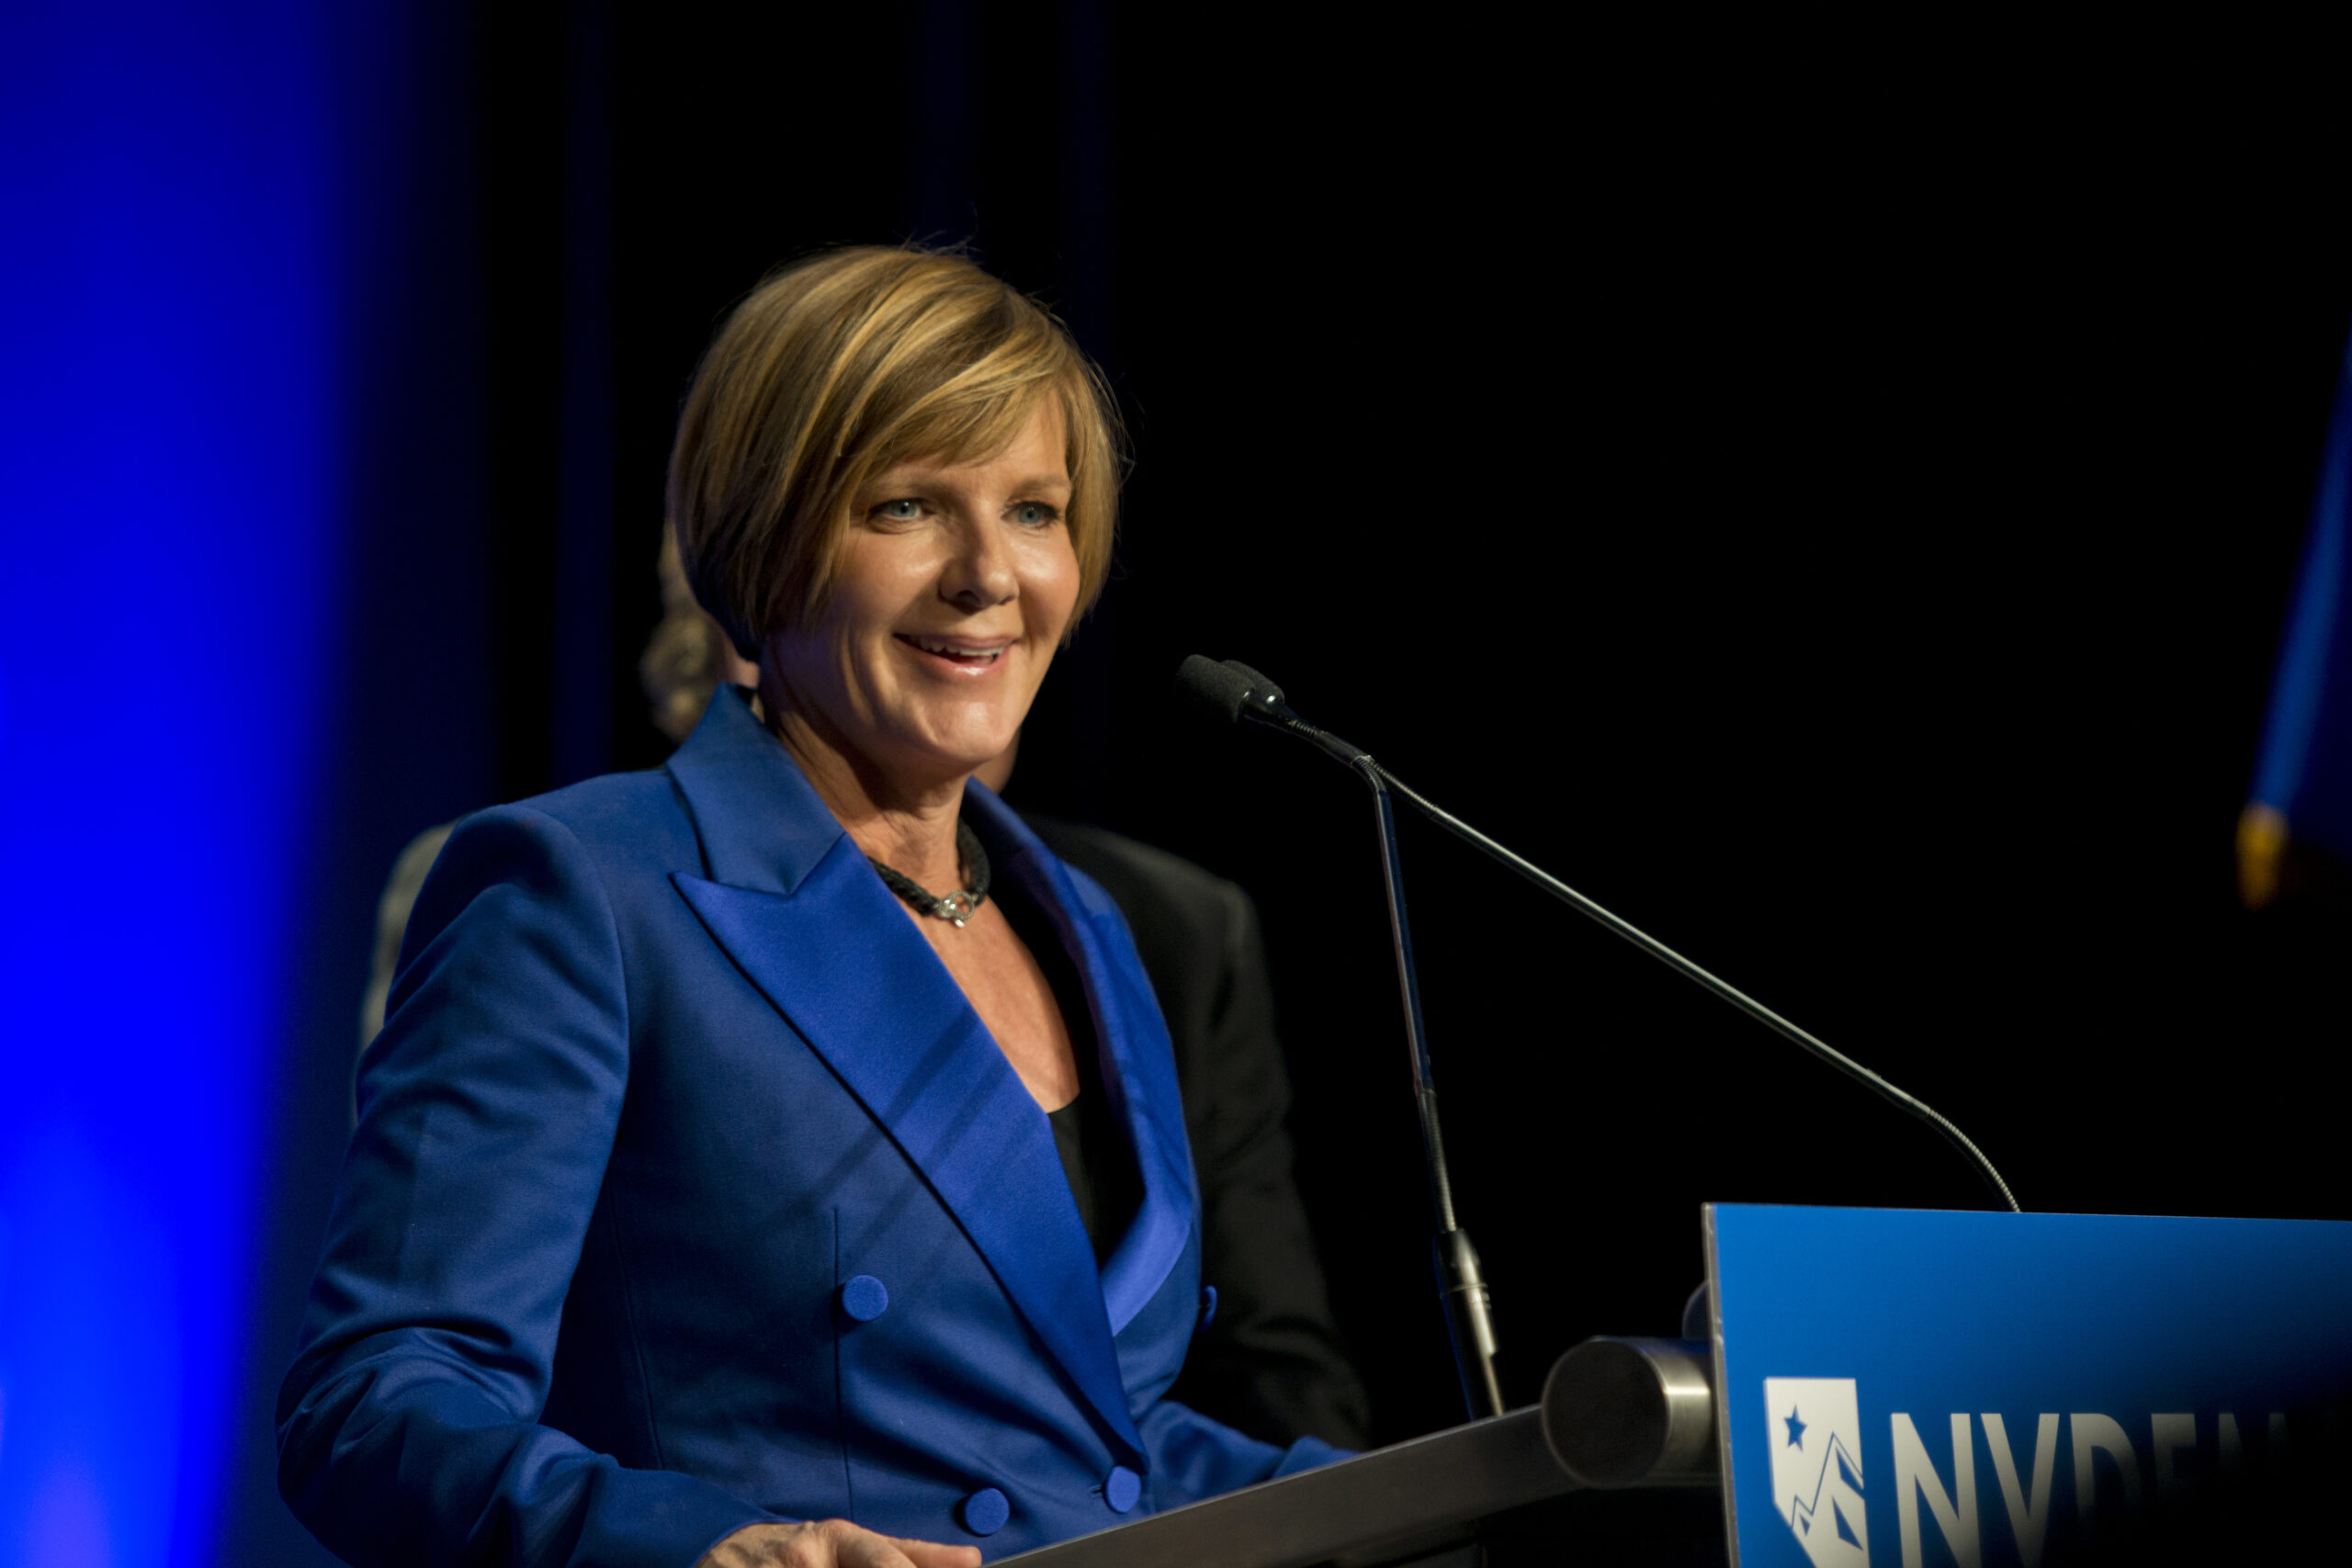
x: 734, y: 667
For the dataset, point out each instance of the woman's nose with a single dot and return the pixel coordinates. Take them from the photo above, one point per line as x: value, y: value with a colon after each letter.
x: 981, y: 572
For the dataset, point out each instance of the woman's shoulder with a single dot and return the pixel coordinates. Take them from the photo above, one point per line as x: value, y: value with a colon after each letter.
x: 629, y: 814
x: 623, y: 825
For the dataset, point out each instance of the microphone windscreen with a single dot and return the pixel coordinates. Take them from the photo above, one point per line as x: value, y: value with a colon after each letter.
x: 1214, y: 687
x: 1264, y: 690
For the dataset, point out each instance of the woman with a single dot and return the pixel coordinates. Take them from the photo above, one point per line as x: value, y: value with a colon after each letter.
x: 785, y: 1138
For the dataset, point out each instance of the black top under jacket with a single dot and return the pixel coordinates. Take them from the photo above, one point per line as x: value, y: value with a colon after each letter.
x: 1098, y: 1158
x: 1269, y: 1362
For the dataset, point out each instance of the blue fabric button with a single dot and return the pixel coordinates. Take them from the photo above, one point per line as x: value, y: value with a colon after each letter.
x: 1208, y: 1306
x: 1121, y: 1488
x: 985, y: 1511
x: 865, y: 1298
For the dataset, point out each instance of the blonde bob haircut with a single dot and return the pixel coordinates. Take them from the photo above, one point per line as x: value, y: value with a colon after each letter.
x: 840, y: 366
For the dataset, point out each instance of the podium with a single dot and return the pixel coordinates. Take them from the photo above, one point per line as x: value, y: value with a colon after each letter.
x: 1618, y: 1416
x: 1873, y: 1386
x: 1416, y: 1503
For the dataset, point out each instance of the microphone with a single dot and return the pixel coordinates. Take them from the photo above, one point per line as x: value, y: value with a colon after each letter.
x: 1237, y: 692
x: 1220, y: 690
x: 1234, y: 691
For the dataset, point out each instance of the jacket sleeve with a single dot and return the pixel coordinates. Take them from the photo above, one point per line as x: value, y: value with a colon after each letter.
x: 408, y: 1428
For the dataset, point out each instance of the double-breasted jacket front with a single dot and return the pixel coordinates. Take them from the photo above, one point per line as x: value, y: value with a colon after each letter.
x: 689, y: 1192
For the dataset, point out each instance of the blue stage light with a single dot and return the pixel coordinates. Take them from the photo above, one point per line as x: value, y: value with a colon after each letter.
x: 172, y: 419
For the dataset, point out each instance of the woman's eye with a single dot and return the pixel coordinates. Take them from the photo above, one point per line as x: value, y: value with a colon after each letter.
x: 1034, y: 514
x: 900, y: 511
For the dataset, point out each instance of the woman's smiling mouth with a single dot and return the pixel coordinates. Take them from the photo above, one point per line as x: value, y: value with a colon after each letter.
x: 963, y: 653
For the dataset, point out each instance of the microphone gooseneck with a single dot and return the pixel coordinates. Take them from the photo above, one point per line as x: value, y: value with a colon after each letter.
x: 1813, y: 1043
x: 1257, y: 698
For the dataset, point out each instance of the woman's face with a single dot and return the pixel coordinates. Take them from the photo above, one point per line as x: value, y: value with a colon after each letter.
x: 954, y: 586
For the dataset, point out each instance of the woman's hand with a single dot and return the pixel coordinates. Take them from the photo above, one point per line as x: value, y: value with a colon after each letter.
x: 831, y: 1543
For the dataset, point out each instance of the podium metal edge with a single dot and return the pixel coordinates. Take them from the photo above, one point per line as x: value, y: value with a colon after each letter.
x: 1409, y: 1493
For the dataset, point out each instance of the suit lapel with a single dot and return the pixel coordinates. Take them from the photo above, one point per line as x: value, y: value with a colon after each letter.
x: 1139, y: 1066
x: 816, y: 931
x: 761, y: 822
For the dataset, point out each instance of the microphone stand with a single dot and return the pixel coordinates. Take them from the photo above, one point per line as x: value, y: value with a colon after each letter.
x: 1234, y: 690
x: 1469, y: 1307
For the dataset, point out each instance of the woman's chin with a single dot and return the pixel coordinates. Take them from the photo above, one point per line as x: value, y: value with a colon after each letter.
x: 945, y: 758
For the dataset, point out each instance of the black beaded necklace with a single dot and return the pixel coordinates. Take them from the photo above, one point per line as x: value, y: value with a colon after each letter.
x: 955, y: 908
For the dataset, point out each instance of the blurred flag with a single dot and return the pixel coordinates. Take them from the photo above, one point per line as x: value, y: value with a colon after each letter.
x: 2302, y: 780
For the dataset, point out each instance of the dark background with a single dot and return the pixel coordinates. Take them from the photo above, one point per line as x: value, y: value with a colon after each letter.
x: 1832, y: 498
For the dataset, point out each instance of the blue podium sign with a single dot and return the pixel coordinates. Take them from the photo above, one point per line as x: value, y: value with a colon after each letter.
x: 1916, y: 1388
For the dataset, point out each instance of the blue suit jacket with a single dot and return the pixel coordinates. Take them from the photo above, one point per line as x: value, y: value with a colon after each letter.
x: 666, y: 1068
